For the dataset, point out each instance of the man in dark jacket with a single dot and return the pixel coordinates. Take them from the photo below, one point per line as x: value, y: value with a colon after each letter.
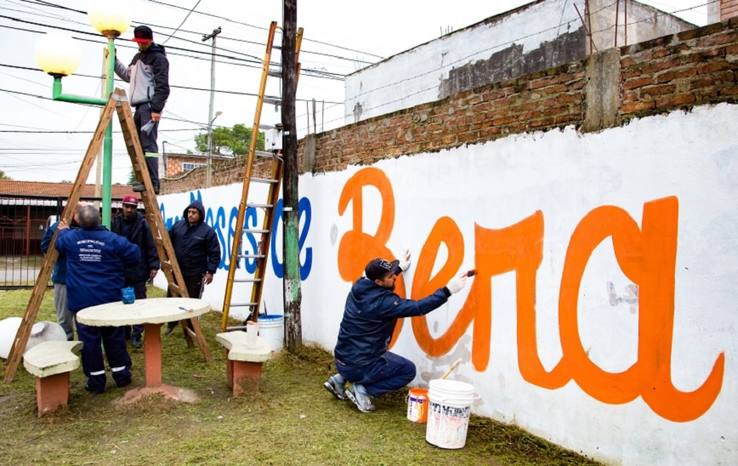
x: 133, y: 226
x: 96, y: 263
x: 197, y: 250
x: 59, y: 278
x: 148, y: 74
x: 371, y: 311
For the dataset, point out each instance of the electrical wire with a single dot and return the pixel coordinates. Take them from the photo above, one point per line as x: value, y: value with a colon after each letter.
x: 174, y: 86
x: 304, y: 71
x: 305, y: 51
x: 230, y: 20
x: 182, y: 23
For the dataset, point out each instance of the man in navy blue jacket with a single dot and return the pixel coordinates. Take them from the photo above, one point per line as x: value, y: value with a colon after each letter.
x: 197, y: 250
x: 59, y: 278
x: 371, y: 311
x: 96, y: 263
x: 133, y: 226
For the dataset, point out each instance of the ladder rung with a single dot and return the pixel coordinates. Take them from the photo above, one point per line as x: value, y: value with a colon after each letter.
x: 272, y: 100
x: 259, y: 206
x: 251, y: 256
x: 244, y: 304
x: 263, y: 153
x: 275, y: 74
x: 246, y: 280
x: 264, y: 180
x: 256, y: 230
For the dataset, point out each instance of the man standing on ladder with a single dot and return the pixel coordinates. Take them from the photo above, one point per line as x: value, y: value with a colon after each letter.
x: 148, y: 74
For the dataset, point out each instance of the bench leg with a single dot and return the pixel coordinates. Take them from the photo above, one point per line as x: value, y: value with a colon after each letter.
x: 52, y: 393
x: 244, y: 376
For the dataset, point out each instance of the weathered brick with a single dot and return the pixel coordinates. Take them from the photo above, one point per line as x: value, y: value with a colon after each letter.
x: 676, y: 100
x: 638, y: 82
x: 670, y: 75
x: 639, y: 106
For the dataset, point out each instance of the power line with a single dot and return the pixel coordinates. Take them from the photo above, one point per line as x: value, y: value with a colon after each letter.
x: 253, y: 62
x: 230, y: 20
x: 176, y: 86
x: 304, y: 51
x: 182, y: 23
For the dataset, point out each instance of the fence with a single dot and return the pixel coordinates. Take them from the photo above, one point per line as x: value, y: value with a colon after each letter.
x: 23, y: 222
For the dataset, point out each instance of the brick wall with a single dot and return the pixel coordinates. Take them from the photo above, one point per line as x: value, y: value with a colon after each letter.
x: 690, y: 68
x: 694, y: 67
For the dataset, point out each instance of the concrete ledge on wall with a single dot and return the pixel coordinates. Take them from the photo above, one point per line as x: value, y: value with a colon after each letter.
x: 602, y: 90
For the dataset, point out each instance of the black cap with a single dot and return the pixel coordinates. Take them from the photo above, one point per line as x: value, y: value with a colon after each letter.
x: 379, y: 268
x: 143, y: 34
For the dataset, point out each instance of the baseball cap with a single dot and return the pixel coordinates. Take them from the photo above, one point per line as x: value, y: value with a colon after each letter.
x: 130, y: 200
x: 143, y: 34
x: 379, y: 268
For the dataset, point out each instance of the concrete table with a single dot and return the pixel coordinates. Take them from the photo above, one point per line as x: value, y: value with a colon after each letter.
x: 152, y: 313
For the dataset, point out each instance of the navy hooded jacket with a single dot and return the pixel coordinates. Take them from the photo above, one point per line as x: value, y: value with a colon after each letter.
x: 369, y: 318
x: 137, y: 232
x: 196, y: 246
x: 96, y: 263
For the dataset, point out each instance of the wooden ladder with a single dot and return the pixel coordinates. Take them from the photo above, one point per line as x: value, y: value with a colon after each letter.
x: 117, y: 102
x: 274, y: 181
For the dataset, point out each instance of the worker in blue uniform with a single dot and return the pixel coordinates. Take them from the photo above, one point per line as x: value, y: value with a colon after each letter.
x: 96, y: 262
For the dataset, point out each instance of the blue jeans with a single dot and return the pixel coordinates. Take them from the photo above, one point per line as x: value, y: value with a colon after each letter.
x: 390, y: 372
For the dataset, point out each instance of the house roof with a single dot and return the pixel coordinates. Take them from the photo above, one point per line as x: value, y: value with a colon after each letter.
x: 44, y: 189
x: 174, y: 155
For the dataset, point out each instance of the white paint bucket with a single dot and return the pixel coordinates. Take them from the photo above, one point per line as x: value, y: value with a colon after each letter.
x: 271, y: 329
x: 448, y: 413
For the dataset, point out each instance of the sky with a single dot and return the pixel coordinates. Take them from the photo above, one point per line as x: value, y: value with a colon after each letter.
x: 340, y: 37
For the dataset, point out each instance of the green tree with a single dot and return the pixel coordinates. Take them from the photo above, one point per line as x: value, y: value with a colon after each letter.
x: 229, y: 141
x: 3, y: 176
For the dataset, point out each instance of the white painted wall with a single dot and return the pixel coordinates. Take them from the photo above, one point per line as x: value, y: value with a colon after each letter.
x: 565, y: 175
x: 413, y: 77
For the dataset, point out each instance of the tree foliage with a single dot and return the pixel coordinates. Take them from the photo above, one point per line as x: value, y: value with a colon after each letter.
x: 3, y: 176
x: 229, y: 141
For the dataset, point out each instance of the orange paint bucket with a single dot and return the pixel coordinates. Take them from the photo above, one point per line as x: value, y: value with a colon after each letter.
x: 417, y: 405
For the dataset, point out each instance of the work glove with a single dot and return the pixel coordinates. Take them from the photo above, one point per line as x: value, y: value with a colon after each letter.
x: 405, y: 261
x: 457, y: 284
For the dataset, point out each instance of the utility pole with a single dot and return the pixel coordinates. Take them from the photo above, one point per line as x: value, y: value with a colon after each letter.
x: 207, y: 37
x: 290, y: 225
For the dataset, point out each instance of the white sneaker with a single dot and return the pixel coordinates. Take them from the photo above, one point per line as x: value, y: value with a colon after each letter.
x: 336, y: 388
x: 357, y: 394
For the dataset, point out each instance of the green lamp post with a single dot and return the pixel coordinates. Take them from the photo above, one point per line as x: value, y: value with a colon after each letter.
x: 59, y: 56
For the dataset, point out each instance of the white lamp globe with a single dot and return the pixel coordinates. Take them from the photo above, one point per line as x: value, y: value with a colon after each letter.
x: 57, y: 54
x: 109, y: 18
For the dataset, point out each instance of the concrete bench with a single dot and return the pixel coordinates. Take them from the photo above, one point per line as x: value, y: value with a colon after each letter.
x: 245, y: 358
x: 51, y: 362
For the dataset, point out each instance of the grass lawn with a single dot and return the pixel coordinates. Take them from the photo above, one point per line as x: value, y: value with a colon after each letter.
x: 291, y: 420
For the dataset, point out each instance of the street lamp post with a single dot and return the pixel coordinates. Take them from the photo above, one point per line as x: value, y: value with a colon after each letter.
x: 59, y: 57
